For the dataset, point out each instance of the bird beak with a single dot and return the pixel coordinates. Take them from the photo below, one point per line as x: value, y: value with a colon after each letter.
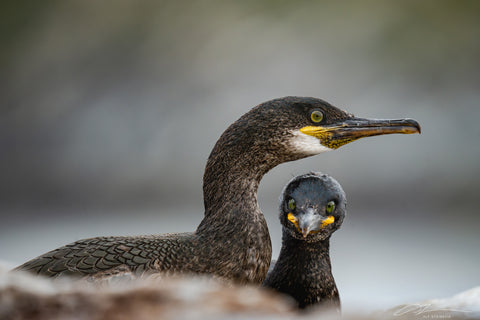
x: 310, y: 222
x: 338, y: 134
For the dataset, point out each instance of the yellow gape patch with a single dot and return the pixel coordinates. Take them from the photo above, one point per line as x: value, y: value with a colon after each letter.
x: 329, y: 220
x: 293, y: 220
x: 327, y: 136
x: 317, y: 132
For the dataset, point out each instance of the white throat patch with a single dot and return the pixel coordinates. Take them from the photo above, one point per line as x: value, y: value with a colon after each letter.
x: 306, y: 144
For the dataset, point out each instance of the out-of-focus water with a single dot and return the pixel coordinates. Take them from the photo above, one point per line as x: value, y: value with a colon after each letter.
x: 377, y: 264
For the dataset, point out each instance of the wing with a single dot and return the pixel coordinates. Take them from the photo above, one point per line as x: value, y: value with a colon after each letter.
x: 110, y: 255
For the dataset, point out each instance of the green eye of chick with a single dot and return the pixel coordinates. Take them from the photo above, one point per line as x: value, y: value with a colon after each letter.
x: 330, y: 207
x: 291, y: 204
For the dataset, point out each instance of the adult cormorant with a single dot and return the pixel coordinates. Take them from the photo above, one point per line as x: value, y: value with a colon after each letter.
x: 232, y: 241
x: 312, y: 208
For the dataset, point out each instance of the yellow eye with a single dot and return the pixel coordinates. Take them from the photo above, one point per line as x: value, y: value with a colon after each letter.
x: 330, y: 207
x: 316, y: 116
x: 291, y: 204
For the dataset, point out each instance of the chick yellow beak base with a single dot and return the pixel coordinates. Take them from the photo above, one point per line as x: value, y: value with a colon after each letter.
x: 329, y: 220
x: 336, y: 135
x: 294, y: 220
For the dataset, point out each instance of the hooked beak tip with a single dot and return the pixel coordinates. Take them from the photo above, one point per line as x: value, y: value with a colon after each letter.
x: 305, y: 232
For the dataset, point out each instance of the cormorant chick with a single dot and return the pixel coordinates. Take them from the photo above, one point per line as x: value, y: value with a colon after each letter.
x: 232, y: 241
x: 312, y: 208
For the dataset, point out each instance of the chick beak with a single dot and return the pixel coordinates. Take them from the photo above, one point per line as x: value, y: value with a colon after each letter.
x: 311, y: 222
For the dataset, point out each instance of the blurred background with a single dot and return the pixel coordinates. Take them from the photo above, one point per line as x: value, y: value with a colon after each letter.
x: 109, y: 110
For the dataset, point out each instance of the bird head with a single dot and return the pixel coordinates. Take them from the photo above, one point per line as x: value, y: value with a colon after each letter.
x: 312, y: 207
x: 298, y: 127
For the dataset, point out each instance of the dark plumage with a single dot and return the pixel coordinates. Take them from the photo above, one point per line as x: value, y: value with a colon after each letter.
x: 232, y: 241
x: 312, y: 207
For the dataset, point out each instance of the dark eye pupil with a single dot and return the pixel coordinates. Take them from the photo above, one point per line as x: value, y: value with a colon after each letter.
x: 317, y: 116
x: 330, y: 206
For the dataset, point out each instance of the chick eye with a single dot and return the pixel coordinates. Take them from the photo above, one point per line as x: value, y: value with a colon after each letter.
x: 316, y: 116
x: 291, y: 204
x: 330, y: 207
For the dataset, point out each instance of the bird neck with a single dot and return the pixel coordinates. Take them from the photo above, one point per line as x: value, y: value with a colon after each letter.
x: 230, y: 188
x: 233, y: 220
x: 313, y: 258
x: 233, y: 172
x: 303, y: 271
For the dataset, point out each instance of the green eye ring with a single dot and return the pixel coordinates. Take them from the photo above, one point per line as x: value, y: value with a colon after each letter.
x: 330, y: 206
x: 316, y: 116
x: 291, y: 204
